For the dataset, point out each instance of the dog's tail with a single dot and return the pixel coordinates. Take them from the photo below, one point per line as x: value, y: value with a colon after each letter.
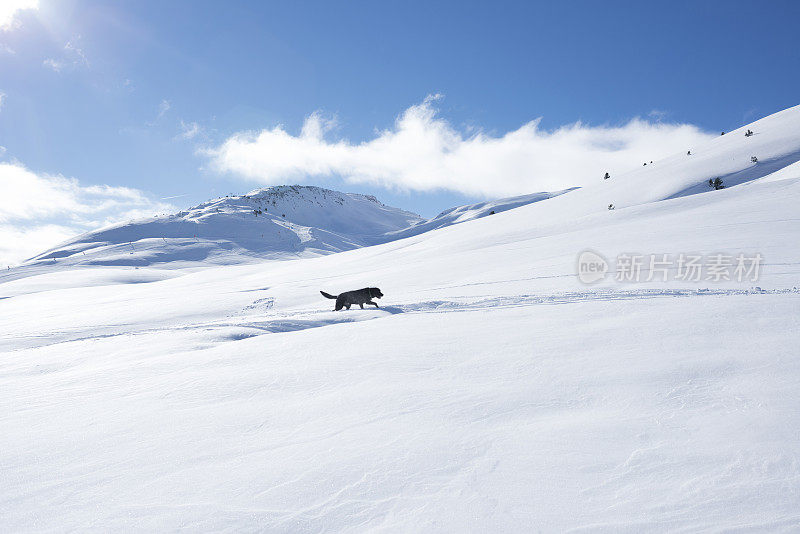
x: 328, y: 296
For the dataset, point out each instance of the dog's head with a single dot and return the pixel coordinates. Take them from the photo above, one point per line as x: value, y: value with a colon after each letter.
x: 375, y: 292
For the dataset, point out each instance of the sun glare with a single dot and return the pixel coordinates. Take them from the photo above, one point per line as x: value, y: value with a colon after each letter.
x: 9, y: 8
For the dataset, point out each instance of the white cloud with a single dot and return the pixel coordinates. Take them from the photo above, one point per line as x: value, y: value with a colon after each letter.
x: 163, y: 107
x: 9, y: 10
x: 189, y: 130
x: 18, y: 243
x: 2, y: 99
x: 657, y: 114
x: 77, y: 54
x: 73, y: 57
x: 53, y: 64
x: 38, y: 211
x: 424, y: 152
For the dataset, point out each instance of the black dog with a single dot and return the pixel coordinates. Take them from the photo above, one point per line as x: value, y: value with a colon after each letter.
x: 359, y: 296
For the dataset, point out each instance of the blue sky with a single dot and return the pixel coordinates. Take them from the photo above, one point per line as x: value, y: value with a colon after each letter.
x: 424, y: 104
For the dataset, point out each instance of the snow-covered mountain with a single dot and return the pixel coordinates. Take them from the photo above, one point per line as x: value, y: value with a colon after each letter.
x: 274, y: 223
x: 491, y: 392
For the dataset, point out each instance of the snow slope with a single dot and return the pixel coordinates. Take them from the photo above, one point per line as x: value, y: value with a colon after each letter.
x: 491, y: 392
x: 293, y: 221
x: 775, y: 144
x: 469, y: 212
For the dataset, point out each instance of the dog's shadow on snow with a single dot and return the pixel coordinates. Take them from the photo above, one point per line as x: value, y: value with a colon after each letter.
x: 391, y: 309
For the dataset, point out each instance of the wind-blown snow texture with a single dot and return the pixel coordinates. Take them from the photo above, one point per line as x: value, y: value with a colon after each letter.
x: 491, y: 392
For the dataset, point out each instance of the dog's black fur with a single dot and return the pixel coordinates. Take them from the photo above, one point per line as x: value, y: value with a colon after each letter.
x: 358, y: 296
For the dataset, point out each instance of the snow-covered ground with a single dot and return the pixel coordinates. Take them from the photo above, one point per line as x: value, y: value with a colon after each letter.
x: 492, y: 391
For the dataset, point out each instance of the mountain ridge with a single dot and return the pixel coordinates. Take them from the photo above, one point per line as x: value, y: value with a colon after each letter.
x: 273, y: 223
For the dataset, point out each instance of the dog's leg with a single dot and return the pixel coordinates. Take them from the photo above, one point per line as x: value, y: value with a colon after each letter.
x: 347, y: 306
x: 361, y: 304
x: 373, y: 303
